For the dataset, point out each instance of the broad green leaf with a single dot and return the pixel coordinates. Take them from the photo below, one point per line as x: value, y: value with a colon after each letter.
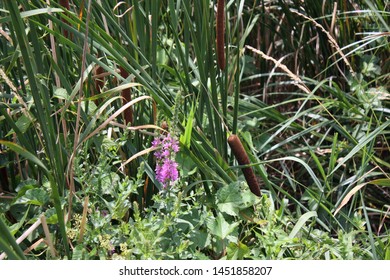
x: 230, y: 200
x: 219, y: 227
x: 237, y: 251
x: 25, y: 186
x: 248, y: 198
x: 51, y: 216
x: 61, y: 93
x: 78, y: 252
x: 187, y: 165
x: 200, y: 238
x: 36, y: 196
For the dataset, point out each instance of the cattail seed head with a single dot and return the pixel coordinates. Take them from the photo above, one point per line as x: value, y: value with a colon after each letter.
x: 243, y: 159
x: 221, y: 34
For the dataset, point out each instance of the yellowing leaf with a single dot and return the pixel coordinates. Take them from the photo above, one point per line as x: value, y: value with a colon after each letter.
x: 348, y: 197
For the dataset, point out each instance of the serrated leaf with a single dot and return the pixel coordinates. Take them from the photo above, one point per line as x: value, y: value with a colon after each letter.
x: 200, y: 238
x: 219, y: 227
x: 229, y: 200
x: 237, y: 251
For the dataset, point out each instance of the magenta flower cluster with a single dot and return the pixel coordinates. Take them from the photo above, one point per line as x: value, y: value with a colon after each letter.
x: 166, y: 166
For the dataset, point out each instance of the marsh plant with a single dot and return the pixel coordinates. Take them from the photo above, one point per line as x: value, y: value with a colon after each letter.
x: 166, y: 165
x: 178, y: 129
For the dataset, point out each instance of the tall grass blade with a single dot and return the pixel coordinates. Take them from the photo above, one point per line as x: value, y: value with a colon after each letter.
x: 361, y: 144
x: 8, y: 243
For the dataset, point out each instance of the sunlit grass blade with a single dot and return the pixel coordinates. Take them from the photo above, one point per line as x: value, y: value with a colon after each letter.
x: 43, y: 111
x: 362, y: 143
x: 8, y: 244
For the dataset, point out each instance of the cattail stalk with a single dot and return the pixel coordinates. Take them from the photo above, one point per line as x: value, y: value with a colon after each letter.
x: 66, y: 5
x: 126, y: 95
x: 99, y: 82
x: 221, y: 34
x: 243, y: 159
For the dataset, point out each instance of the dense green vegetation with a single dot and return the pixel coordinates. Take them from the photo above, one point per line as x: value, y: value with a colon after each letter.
x: 90, y: 91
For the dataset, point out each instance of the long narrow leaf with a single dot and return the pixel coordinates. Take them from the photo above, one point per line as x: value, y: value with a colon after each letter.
x: 8, y: 243
x: 362, y: 143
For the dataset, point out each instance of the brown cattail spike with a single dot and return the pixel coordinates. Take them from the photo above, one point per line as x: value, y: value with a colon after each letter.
x: 243, y: 159
x: 221, y: 34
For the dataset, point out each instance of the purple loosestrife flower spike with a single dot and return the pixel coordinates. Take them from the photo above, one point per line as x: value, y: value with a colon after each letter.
x: 166, y: 166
